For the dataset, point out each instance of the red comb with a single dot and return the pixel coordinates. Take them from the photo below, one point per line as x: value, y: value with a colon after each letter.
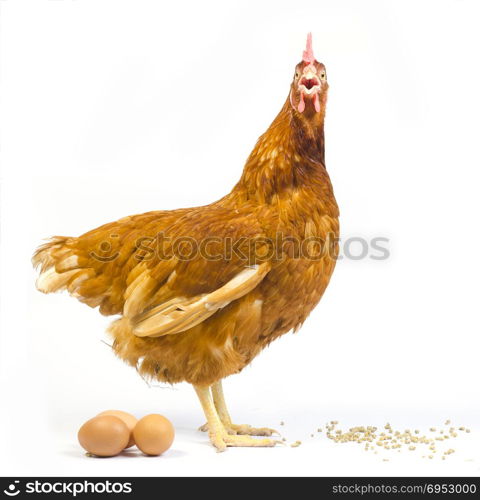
x: 308, y: 56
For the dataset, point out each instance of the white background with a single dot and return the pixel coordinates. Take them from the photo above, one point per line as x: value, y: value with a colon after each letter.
x: 111, y: 108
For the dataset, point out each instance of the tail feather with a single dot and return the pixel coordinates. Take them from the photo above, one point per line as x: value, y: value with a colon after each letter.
x: 76, y: 264
x: 59, y: 266
x: 43, y: 257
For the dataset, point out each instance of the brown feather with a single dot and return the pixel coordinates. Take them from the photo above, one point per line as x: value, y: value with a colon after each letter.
x: 180, y: 314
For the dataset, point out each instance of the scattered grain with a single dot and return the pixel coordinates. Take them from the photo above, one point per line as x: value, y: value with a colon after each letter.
x: 390, y: 439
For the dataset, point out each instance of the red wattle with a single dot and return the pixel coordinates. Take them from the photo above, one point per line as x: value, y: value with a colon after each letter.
x: 301, y: 104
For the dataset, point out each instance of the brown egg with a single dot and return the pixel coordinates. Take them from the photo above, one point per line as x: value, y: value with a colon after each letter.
x: 104, y: 435
x: 129, y: 420
x: 154, y: 434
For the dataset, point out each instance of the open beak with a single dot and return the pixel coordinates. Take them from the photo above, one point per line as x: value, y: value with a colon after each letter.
x: 309, y: 83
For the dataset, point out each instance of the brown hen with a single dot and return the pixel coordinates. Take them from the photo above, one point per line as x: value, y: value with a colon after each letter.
x: 201, y: 291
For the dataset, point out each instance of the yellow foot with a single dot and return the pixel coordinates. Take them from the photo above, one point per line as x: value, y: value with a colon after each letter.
x: 221, y: 440
x: 203, y: 428
x: 248, y: 430
x: 244, y: 429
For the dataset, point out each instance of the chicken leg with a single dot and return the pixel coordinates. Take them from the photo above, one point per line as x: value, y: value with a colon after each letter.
x: 219, y: 436
x: 223, y: 414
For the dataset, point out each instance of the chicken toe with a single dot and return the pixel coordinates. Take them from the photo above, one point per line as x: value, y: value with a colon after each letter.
x: 248, y: 430
x: 243, y: 430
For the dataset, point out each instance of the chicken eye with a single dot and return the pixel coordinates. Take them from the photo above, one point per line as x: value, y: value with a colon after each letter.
x: 322, y: 76
x: 296, y: 74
